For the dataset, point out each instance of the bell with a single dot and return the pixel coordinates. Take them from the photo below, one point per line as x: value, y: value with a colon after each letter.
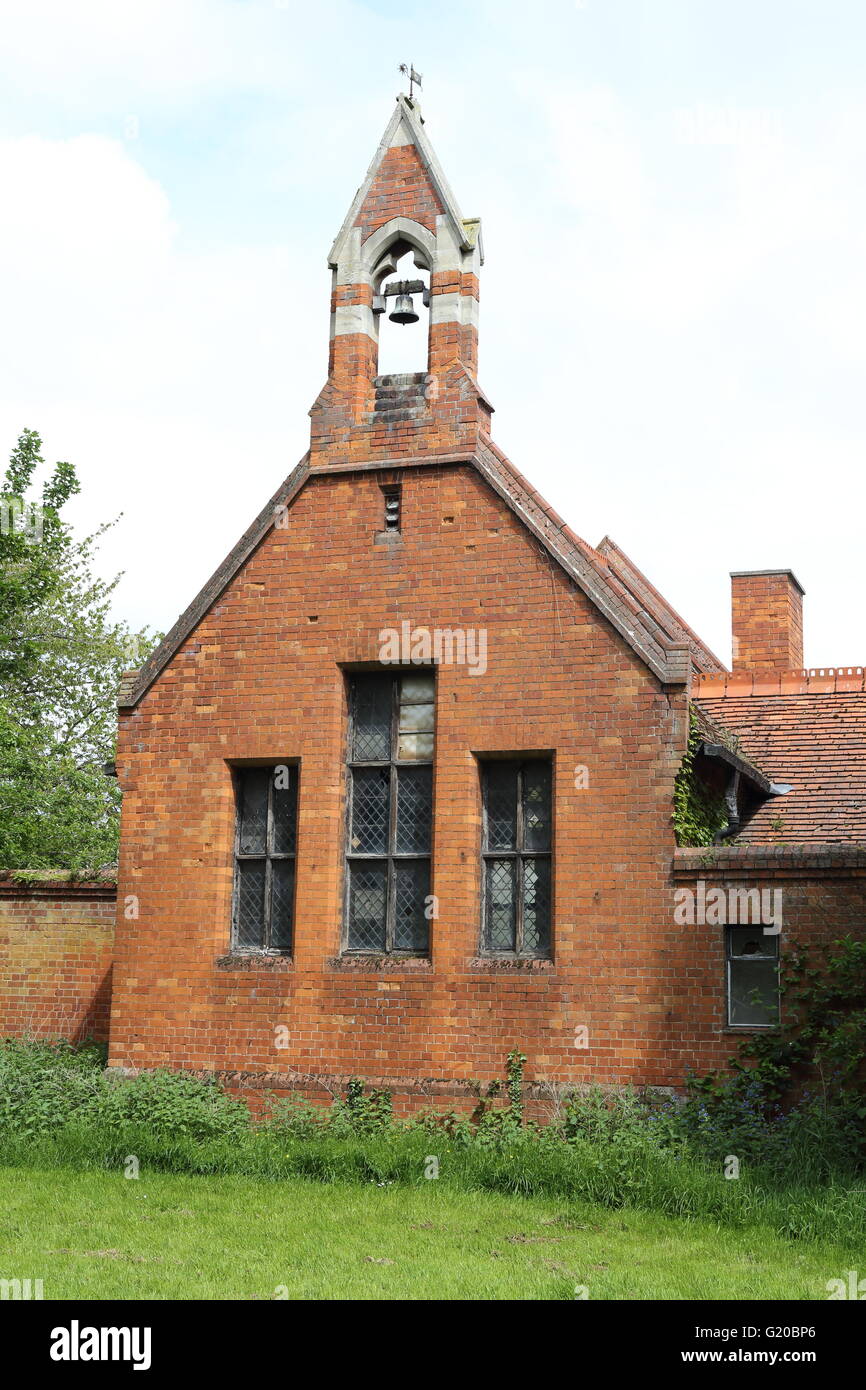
x: 404, y: 310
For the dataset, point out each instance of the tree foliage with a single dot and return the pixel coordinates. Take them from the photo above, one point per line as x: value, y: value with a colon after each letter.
x: 61, y: 656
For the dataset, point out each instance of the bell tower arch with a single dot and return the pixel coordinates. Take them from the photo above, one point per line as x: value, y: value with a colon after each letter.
x: 404, y: 208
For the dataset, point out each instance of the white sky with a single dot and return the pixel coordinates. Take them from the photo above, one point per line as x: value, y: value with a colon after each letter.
x: 673, y: 304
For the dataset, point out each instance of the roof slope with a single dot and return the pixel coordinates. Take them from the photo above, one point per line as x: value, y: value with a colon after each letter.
x: 816, y: 741
x: 675, y: 628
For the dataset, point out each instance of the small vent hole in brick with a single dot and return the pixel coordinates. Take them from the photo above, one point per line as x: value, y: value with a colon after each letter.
x: 392, y: 508
x: 312, y: 617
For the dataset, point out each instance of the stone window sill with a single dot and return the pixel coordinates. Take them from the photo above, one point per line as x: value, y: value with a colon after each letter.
x: 254, y: 960
x: 537, y: 965
x: 750, y: 1028
x: 375, y: 964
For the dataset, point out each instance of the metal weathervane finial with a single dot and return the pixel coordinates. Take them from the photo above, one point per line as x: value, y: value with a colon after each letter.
x: 413, y: 76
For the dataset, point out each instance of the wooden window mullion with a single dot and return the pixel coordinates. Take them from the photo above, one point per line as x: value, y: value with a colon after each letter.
x: 518, y: 886
x: 269, y: 874
x: 390, y: 885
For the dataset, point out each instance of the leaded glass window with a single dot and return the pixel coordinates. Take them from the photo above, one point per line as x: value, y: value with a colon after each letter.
x: 516, y: 857
x: 390, y: 821
x: 265, y: 843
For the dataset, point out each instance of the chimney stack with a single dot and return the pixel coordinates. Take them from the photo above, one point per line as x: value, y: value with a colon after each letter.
x: 767, y: 620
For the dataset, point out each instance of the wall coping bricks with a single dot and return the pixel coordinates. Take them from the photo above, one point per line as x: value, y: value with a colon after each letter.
x: 54, y: 887
x: 816, y: 859
x: 809, y: 680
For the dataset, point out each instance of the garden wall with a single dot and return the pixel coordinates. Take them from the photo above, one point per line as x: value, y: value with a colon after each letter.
x: 56, y: 946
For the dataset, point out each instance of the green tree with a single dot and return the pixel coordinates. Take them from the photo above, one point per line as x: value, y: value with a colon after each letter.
x: 61, y: 656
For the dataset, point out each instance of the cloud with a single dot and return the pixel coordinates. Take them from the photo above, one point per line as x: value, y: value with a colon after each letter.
x: 165, y: 374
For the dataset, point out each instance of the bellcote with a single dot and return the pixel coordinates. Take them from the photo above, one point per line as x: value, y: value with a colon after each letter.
x: 404, y: 208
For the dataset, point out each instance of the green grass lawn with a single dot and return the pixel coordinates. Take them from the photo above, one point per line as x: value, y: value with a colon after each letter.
x: 92, y: 1235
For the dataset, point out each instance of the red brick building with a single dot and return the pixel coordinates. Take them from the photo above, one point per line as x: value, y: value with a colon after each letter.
x: 398, y: 784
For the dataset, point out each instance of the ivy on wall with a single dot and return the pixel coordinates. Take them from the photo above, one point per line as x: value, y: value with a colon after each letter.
x: 699, y: 813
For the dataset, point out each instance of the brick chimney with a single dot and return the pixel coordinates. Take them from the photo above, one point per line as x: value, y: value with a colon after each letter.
x: 767, y: 620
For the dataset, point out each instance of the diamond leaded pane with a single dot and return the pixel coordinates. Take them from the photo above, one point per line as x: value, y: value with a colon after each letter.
x: 285, y: 808
x: 253, y: 798
x: 250, y: 918
x: 536, y: 806
x: 367, y: 897
x: 282, y: 903
x: 372, y: 720
x: 500, y: 898
x: 501, y: 805
x: 536, y: 904
x: 411, y: 888
x: 414, y: 810
x: 371, y: 801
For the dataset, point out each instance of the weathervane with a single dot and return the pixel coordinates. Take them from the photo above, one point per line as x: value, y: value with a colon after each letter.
x: 413, y: 76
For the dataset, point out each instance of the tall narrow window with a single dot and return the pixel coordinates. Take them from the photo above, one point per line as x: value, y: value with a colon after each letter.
x: 390, y: 813
x: 753, y: 977
x: 264, y: 893
x: 516, y: 853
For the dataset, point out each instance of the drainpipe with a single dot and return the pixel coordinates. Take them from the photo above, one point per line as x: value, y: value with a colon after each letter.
x: 733, y: 824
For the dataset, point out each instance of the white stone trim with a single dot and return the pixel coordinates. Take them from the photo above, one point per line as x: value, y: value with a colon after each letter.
x: 407, y: 229
x: 454, y: 308
x: 355, y: 318
x: 404, y: 128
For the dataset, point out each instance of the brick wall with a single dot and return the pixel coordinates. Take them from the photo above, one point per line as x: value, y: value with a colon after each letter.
x: 263, y: 678
x: 56, y: 943
x: 823, y: 897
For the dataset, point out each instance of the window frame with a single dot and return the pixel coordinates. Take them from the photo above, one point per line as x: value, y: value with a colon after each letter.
x: 775, y: 955
x: 392, y: 856
x: 268, y: 856
x: 520, y: 853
